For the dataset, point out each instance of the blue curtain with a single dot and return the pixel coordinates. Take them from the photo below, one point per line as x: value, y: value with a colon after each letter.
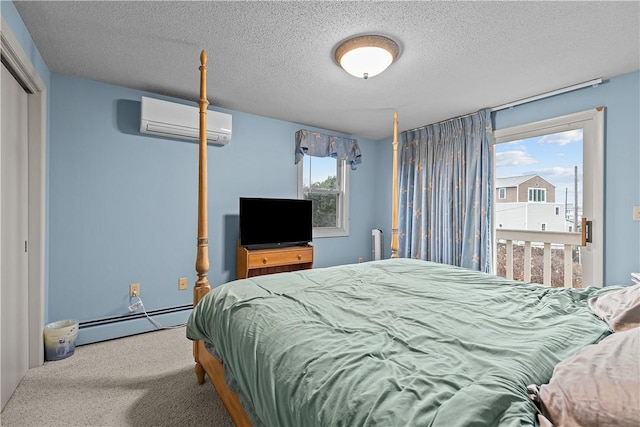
x: 320, y: 145
x: 445, y: 191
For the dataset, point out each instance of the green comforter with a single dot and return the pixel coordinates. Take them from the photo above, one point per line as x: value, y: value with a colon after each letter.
x: 397, y: 342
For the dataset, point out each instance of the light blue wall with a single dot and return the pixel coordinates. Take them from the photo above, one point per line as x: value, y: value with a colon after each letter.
x: 621, y: 98
x: 124, y: 205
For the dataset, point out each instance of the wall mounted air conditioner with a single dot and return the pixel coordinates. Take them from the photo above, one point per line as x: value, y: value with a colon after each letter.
x: 180, y: 121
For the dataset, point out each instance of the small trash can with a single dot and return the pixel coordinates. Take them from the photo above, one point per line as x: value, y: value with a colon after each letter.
x: 60, y: 339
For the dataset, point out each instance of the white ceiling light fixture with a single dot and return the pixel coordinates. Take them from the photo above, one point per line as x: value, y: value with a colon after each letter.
x: 366, y: 56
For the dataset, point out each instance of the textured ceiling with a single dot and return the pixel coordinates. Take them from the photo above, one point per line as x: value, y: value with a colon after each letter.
x: 275, y: 59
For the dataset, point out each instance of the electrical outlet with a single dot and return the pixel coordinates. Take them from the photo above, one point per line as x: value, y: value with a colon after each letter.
x: 134, y: 290
x: 182, y: 283
x: 636, y: 213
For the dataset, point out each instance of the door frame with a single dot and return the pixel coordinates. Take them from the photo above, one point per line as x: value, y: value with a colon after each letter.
x: 17, y: 61
x: 592, y: 123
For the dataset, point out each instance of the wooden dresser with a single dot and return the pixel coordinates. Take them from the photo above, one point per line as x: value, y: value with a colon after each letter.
x: 257, y: 262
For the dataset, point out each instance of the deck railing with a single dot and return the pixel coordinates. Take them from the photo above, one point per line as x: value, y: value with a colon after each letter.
x: 546, y: 239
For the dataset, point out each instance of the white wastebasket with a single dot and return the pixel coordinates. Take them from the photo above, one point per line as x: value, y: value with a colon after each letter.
x: 60, y: 339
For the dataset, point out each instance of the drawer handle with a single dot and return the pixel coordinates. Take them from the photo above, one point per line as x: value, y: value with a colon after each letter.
x: 264, y: 260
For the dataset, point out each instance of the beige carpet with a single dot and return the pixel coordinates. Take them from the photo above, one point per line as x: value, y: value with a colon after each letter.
x: 143, y: 380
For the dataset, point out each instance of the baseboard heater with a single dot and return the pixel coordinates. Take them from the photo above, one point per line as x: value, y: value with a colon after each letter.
x: 133, y: 316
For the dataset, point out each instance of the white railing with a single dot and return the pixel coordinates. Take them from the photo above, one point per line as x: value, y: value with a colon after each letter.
x: 546, y: 238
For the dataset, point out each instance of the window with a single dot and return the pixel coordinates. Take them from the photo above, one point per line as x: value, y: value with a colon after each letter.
x: 557, y: 210
x: 537, y: 194
x: 325, y: 181
x: 544, y: 226
x: 502, y: 193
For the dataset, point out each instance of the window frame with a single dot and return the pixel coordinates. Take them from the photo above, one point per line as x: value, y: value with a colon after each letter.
x: 342, y: 214
x: 543, y: 193
x: 502, y: 193
x: 592, y: 124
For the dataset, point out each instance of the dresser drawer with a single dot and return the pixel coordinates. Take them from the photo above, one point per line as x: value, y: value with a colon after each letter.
x: 260, y: 259
x: 257, y: 262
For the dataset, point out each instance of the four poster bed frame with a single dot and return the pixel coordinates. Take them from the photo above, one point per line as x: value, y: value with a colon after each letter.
x: 491, y: 383
x: 206, y: 363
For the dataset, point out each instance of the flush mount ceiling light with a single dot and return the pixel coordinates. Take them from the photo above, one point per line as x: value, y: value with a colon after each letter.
x: 366, y: 56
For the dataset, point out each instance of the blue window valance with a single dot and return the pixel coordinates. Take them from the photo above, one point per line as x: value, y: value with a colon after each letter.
x: 320, y: 145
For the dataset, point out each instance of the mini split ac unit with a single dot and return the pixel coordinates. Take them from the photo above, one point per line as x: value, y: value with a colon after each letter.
x: 179, y: 121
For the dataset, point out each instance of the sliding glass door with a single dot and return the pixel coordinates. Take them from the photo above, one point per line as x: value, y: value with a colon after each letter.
x: 548, y: 200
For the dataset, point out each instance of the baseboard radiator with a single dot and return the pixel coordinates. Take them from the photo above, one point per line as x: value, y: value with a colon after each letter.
x: 106, y: 328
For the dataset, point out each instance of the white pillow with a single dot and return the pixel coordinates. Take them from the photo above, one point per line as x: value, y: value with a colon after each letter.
x: 620, y: 308
x: 597, y: 387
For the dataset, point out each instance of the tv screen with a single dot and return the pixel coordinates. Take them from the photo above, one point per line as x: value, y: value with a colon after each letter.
x: 266, y: 223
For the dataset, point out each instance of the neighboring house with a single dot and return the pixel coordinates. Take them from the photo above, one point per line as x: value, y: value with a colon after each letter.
x: 570, y: 214
x: 528, y: 202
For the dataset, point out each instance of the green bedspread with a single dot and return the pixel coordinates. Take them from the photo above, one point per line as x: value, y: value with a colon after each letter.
x: 397, y: 342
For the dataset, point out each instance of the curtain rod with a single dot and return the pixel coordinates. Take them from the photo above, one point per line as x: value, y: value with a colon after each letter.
x: 441, y: 121
x: 594, y: 83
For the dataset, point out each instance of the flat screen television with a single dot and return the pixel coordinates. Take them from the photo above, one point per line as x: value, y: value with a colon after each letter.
x: 272, y: 223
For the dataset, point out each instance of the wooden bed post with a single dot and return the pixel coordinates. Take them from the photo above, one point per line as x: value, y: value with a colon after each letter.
x: 206, y: 364
x: 202, y: 257
x: 394, y: 201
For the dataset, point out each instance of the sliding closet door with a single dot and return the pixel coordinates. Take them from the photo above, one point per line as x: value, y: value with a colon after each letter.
x: 14, y: 294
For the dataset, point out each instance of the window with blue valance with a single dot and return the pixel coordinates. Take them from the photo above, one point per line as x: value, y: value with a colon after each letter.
x: 320, y: 145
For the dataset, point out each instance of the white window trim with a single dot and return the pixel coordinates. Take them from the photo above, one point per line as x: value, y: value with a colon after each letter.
x: 542, y: 190
x: 502, y: 193
x: 343, y: 209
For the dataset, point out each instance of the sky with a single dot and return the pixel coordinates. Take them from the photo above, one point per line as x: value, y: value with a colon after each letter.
x: 553, y: 157
x: 321, y: 169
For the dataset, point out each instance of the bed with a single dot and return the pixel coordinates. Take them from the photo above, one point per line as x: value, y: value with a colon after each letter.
x: 404, y: 342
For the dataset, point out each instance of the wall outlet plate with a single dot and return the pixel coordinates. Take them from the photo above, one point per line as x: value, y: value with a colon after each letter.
x: 134, y: 290
x: 636, y: 213
x: 182, y: 283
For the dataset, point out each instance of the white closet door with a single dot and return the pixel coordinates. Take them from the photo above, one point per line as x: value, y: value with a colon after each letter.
x: 14, y: 343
